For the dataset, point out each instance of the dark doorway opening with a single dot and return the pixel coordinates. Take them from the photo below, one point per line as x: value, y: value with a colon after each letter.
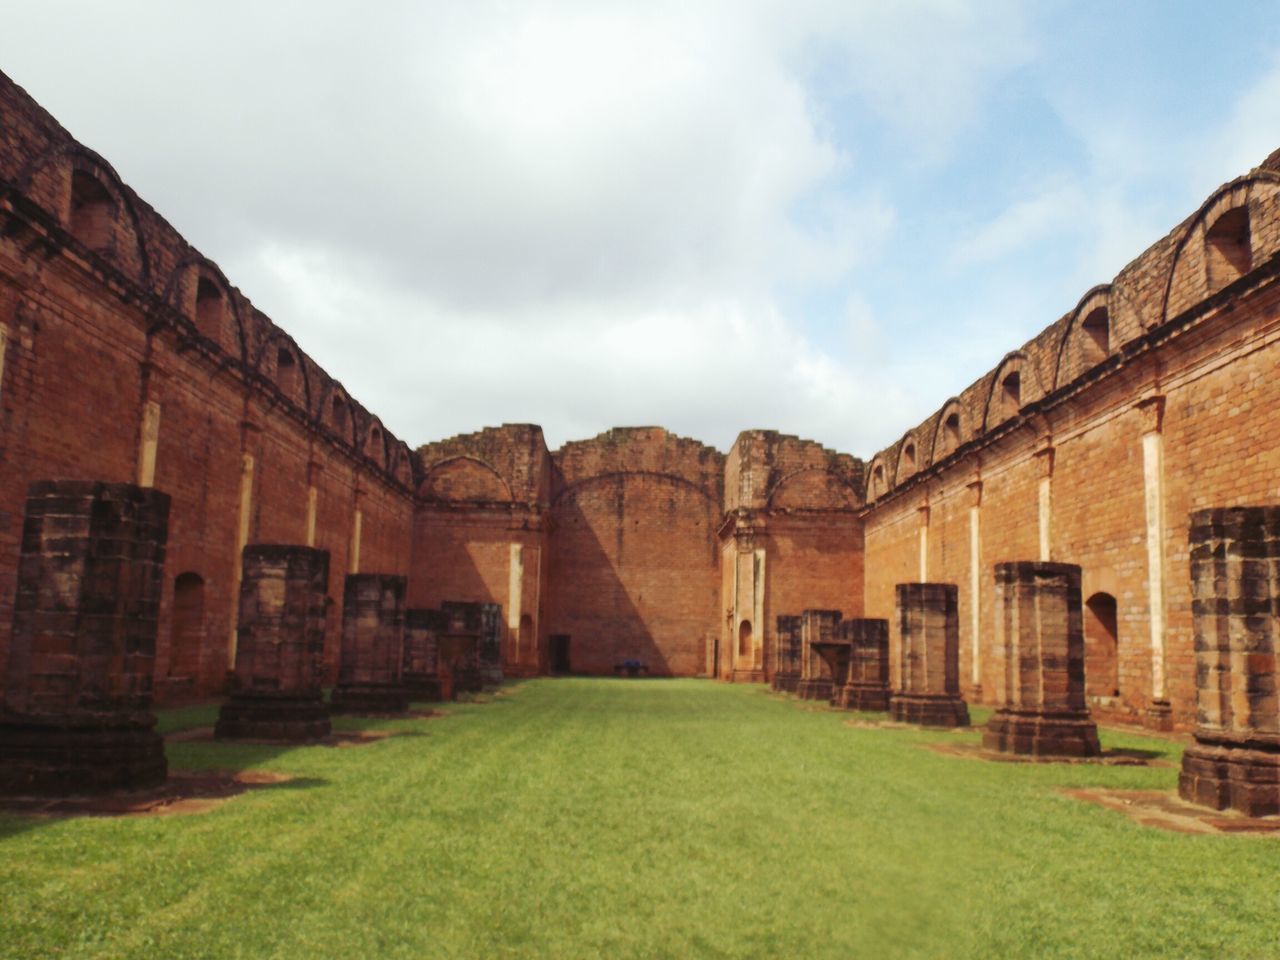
x: 558, y: 650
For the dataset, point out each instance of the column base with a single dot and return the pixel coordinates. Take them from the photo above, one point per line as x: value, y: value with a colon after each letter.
x: 929, y: 710
x: 868, y: 697
x: 249, y: 716
x: 424, y: 687
x: 48, y: 758
x: 1159, y: 716
x: 785, y: 682
x: 814, y: 689
x: 369, y: 698
x: 1042, y: 734
x: 748, y: 676
x: 1242, y: 776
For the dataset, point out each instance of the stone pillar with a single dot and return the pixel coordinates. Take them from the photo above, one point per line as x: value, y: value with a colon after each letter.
x: 928, y: 656
x: 867, y: 685
x: 1039, y: 668
x: 421, y: 666
x: 489, y: 650
x: 816, y: 626
x: 372, y: 645
x: 1235, y: 584
x: 466, y: 626
x: 276, y: 689
x: 76, y: 713
x: 787, y: 675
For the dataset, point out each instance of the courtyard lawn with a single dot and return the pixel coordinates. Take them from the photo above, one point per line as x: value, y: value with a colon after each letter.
x: 614, y: 818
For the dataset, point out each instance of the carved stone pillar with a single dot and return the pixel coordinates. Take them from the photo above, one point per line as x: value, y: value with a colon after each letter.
x: 866, y: 687
x: 372, y: 645
x: 787, y: 676
x: 76, y: 713
x: 1235, y: 583
x: 1039, y: 668
x: 816, y: 681
x: 276, y: 689
x: 928, y: 656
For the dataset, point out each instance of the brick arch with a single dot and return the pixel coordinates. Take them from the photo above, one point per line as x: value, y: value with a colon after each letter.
x: 485, y: 483
x: 200, y: 267
x: 265, y: 363
x: 1069, y: 362
x: 908, y: 461
x: 877, y: 482
x: 938, y: 446
x: 375, y: 450
x: 813, y: 488
x: 1186, y: 283
x: 401, y: 463
x: 1015, y: 362
x: 73, y: 157
x: 331, y: 391
x: 573, y: 489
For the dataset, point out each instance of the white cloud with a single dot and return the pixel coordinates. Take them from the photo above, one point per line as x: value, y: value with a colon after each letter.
x: 575, y: 213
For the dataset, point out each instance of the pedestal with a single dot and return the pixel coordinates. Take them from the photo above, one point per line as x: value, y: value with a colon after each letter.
x: 929, y: 656
x: 1039, y: 663
x: 76, y: 714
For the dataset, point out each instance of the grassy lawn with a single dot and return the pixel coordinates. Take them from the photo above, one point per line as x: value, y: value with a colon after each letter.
x: 603, y: 818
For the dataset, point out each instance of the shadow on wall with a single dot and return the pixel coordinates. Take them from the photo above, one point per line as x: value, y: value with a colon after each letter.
x: 632, y: 563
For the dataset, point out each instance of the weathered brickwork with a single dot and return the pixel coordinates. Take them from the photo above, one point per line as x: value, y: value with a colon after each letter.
x: 420, y: 669
x: 927, y: 686
x: 1039, y: 663
x: 866, y: 685
x: 818, y: 628
x: 127, y: 356
x: 1152, y: 399
x: 787, y: 674
x: 372, y: 646
x: 276, y: 692
x: 76, y: 713
x: 1235, y: 566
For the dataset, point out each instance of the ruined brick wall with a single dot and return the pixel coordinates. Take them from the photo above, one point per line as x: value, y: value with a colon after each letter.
x: 791, y: 541
x: 1154, y: 397
x: 128, y: 356
x: 479, y: 534
x: 632, y: 571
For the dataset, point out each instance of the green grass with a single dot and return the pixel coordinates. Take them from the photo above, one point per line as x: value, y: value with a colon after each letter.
x: 602, y: 818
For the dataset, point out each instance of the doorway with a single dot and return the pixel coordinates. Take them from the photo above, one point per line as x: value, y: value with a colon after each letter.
x: 558, y: 651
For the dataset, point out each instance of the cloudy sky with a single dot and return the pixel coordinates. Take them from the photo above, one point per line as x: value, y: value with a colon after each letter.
x: 820, y: 216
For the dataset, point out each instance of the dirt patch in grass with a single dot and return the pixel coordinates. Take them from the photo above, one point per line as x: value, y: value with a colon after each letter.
x: 1109, y: 758
x: 859, y: 723
x: 338, y: 738
x: 184, y: 792
x: 1168, y: 811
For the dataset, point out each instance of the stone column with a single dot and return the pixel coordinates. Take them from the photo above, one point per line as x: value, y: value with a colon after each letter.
x: 421, y: 666
x: 372, y: 645
x: 466, y: 626
x: 77, y: 697
x: 928, y: 656
x: 489, y: 650
x: 787, y: 676
x: 1039, y: 668
x: 276, y: 689
x: 867, y: 685
x: 1235, y: 584
x: 816, y: 626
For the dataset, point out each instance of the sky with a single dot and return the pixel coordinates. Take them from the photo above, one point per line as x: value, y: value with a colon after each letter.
x: 823, y: 217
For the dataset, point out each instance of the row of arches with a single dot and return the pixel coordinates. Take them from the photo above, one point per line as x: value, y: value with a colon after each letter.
x: 1217, y: 247
x: 101, y: 216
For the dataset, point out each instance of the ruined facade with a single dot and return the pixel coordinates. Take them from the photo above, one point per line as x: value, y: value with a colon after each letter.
x: 127, y: 356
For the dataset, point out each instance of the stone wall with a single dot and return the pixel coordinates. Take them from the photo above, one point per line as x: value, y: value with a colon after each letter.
x: 127, y: 356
